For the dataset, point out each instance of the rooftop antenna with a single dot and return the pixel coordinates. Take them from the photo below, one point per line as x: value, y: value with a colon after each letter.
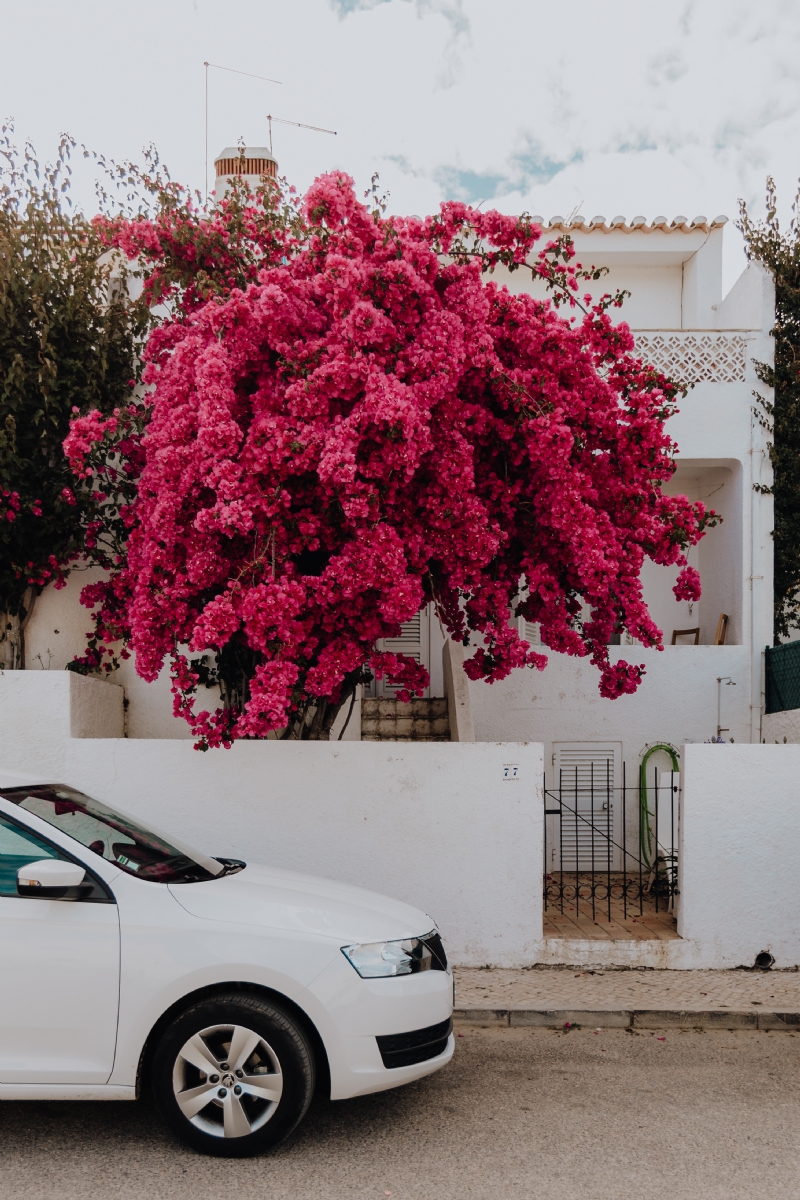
x: 233, y: 71
x: 297, y: 124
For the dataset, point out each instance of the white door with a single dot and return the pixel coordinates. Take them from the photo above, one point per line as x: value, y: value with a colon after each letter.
x: 414, y: 641
x: 59, y: 977
x: 586, y: 787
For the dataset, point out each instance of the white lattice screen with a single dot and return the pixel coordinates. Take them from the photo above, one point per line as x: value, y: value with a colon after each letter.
x: 691, y: 357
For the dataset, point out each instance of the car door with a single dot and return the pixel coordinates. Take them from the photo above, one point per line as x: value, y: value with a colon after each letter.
x: 59, y: 975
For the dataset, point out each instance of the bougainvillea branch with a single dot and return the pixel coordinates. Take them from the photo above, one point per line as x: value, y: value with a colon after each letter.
x: 353, y: 419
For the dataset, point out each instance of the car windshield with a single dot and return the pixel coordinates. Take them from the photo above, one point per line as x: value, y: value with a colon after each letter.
x: 115, y: 837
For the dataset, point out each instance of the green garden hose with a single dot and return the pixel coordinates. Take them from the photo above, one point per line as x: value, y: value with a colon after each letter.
x: 645, y: 828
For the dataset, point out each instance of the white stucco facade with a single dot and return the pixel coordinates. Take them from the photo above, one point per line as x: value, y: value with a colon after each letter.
x: 683, y: 324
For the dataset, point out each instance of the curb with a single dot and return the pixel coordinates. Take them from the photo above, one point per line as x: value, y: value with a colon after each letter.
x: 653, y: 1018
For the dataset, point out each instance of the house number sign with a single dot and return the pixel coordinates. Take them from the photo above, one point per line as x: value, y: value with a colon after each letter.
x: 510, y: 771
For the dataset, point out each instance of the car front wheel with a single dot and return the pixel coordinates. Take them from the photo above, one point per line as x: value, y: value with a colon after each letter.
x: 233, y: 1075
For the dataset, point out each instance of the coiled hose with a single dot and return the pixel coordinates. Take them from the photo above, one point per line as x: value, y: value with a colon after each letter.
x: 645, y: 828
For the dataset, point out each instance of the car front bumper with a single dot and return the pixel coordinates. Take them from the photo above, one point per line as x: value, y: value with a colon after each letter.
x: 361, y: 1010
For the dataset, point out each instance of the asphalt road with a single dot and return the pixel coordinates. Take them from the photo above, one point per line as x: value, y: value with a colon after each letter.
x: 518, y: 1114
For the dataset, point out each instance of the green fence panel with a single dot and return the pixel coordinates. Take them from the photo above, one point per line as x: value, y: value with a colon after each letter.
x: 783, y: 677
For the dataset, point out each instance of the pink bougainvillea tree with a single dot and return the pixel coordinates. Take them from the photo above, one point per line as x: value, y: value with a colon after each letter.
x: 347, y: 416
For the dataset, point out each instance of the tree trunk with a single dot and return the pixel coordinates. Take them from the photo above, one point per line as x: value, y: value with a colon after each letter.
x: 12, y: 635
x: 12, y: 642
x: 314, y: 722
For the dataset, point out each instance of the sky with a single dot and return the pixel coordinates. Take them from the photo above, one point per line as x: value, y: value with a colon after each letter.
x: 627, y: 107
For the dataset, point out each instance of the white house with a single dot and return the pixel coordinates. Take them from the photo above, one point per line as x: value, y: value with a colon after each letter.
x: 695, y: 689
x: 683, y: 325
x: 707, y: 683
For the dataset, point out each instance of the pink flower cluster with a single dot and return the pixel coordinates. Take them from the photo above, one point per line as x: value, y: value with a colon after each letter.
x: 11, y: 501
x: 84, y: 434
x: 14, y: 506
x: 370, y: 425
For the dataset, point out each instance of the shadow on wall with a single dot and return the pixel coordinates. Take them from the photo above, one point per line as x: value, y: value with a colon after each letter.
x: 718, y: 558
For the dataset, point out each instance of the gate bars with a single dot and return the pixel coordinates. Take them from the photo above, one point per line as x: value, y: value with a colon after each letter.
x: 587, y: 860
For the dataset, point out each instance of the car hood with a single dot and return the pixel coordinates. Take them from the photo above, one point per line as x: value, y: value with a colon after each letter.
x: 306, y: 904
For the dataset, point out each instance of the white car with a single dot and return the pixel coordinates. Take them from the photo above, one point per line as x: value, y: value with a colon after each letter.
x: 232, y: 990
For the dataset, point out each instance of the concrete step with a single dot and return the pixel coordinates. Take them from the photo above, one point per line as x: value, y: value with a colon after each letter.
x: 389, y: 720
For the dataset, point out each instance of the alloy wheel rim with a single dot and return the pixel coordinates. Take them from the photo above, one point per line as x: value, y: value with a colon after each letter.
x: 227, y: 1080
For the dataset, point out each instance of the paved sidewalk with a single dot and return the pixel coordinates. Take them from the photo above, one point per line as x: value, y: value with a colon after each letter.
x: 557, y: 995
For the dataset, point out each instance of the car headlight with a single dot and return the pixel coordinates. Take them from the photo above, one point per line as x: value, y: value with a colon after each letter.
x: 374, y: 960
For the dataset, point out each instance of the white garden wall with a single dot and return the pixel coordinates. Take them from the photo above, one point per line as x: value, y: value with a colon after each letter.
x: 781, y: 726
x: 444, y: 826
x: 42, y: 711
x: 440, y: 825
x: 676, y: 701
x: 740, y: 850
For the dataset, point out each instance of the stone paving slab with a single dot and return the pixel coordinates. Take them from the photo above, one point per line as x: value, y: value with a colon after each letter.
x: 563, y: 989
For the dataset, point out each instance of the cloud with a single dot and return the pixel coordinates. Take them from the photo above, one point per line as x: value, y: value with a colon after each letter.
x: 525, y: 169
x: 637, y: 145
x: 345, y: 7
x: 534, y: 165
x: 470, y: 186
x: 686, y: 18
x: 452, y: 11
x: 667, y: 67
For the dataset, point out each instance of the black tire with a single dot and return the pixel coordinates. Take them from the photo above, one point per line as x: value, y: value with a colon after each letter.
x: 253, y: 1104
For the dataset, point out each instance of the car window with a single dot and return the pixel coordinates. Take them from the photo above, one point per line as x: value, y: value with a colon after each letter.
x: 18, y: 847
x: 115, y: 836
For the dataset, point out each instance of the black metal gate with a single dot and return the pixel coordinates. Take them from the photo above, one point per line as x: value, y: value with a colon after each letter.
x: 611, y: 849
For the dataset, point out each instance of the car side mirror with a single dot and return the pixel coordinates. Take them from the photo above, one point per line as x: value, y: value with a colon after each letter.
x: 50, y: 879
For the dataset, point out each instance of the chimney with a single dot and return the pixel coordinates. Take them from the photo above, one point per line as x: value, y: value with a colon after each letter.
x: 257, y: 162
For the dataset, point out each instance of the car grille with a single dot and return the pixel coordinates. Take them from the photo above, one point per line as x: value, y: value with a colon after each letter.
x: 405, y: 1049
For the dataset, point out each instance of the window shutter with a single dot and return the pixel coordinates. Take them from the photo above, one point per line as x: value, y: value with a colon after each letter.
x: 530, y: 632
x: 413, y: 641
x: 584, y: 780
